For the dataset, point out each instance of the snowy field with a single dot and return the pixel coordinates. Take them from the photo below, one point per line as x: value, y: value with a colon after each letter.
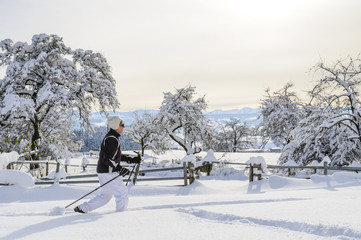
x: 222, y: 206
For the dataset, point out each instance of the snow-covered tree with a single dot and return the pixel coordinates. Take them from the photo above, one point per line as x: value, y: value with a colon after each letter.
x: 338, y: 91
x: 305, y: 144
x: 148, y: 133
x: 222, y: 138
x: 312, y: 140
x: 331, y: 126
x: 280, y: 114
x: 184, y: 120
x: 46, y: 84
x: 234, y: 135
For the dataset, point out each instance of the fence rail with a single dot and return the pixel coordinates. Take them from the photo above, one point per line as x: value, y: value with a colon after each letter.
x: 325, y: 169
x: 49, y: 162
x: 316, y: 167
x: 188, y: 176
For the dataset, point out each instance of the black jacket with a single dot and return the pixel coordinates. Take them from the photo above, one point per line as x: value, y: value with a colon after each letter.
x: 110, y: 154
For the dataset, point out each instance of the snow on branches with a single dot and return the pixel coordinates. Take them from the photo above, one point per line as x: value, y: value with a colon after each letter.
x: 183, y: 118
x: 330, y: 125
x: 148, y: 133
x: 281, y: 112
x: 45, y: 81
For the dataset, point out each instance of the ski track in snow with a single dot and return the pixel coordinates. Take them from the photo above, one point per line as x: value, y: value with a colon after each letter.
x: 187, y: 205
x: 315, y: 229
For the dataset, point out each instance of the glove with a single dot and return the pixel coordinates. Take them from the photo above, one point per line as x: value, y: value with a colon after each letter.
x: 136, y: 160
x: 122, y: 171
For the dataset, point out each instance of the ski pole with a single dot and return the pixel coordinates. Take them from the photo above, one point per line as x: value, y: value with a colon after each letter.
x: 93, y: 190
x: 130, y: 175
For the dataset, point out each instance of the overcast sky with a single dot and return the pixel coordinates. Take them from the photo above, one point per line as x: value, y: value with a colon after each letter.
x: 230, y: 50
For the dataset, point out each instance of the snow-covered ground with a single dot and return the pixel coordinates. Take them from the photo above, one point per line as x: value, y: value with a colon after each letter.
x: 222, y: 206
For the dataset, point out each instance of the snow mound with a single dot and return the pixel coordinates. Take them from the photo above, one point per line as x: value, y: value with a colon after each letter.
x: 210, y: 157
x: 355, y: 164
x: 84, y: 161
x: 257, y: 160
x: 57, y: 175
x: 196, y: 188
x: 338, y: 177
x: 326, y: 159
x: 189, y: 158
x: 290, y: 163
x: 6, y: 158
x: 15, y: 177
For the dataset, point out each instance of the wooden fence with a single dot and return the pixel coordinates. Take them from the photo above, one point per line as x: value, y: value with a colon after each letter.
x: 188, y: 173
x: 47, y: 163
x: 255, y: 170
x: 289, y: 169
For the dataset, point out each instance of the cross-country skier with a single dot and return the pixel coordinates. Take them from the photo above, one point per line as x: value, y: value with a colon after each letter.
x: 108, y: 167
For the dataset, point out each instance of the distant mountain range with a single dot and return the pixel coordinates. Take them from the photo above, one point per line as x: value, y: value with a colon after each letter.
x: 247, y: 115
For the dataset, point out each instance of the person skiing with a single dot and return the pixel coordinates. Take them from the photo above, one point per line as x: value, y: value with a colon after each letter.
x: 108, y: 167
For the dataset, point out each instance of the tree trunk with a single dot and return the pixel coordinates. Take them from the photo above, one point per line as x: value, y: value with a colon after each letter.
x: 34, y: 143
x: 180, y: 143
x: 143, y: 149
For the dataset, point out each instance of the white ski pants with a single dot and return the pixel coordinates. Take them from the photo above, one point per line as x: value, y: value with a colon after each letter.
x: 115, y: 187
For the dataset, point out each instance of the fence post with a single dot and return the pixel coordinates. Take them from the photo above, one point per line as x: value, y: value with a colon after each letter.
x: 259, y: 175
x: 191, y: 172
x: 47, y: 168
x: 185, y: 174
x: 57, y: 166
x: 250, y: 173
x: 135, y: 176
x: 325, y: 168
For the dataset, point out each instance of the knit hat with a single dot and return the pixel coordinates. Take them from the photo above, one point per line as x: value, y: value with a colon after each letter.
x: 114, y: 122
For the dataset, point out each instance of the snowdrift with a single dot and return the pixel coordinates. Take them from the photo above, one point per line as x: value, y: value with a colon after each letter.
x: 14, y: 177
